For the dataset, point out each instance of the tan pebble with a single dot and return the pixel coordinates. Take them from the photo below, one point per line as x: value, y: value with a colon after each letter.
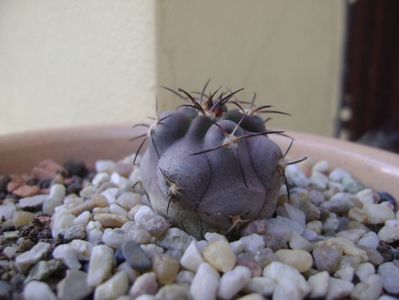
x: 298, y: 259
x: 14, y: 184
x: 26, y: 191
x: 251, y: 297
x: 110, y: 220
x: 357, y: 214
x: 96, y: 201
x: 47, y: 169
x: 165, y: 268
x: 220, y: 256
x: 22, y: 218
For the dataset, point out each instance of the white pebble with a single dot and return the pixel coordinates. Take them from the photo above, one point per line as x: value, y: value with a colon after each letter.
x: 250, y: 243
x: 28, y: 258
x: 68, y: 256
x: 378, y: 213
x: 365, y: 196
x: 205, y: 283
x: 390, y: 232
x: 60, y: 223
x: 233, y: 281
x: 143, y: 213
x: 338, y: 288
x: 368, y: 290
x: 100, y: 266
x: 318, y: 284
x: 321, y: 166
x: 364, y: 270
x: 370, y: 239
x: 128, y: 200
x: 260, y: 285
x: 119, y: 180
x: 339, y: 174
x: 145, y: 284
x: 37, y: 290
x: 295, y: 214
x: 82, y: 248
x: 192, y: 257
x: 110, y: 194
x: 214, y: 236
x: 346, y: 273
x: 298, y: 242
x: 105, y: 166
x: 318, y: 181
x: 114, y: 287
x: 295, y: 176
x: 113, y: 237
x: 83, y: 219
x: 7, y: 211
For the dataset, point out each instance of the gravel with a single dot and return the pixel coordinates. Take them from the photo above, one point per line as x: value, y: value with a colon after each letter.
x: 68, y: 232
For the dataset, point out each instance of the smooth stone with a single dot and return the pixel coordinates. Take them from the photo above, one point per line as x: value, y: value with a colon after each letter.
x: 83, y: 219
x: 390, y: 277
x: 152, y: 250
x: 339, y: 203
x: 260, y: 285
x: 331, y: 224
x: 371, y: 289
x: 173, y: 292
x: 220, y: 256
x: 315, y: 225
x: 289, y: 281
x: 214, y: 236
x: 100, y: 265
x: 74, y: 286
x: 32, y: 202
x: 156, y: 225
x: 192, y: 257
x: 339, y: 174
x: 42, y: 270
x: 128, y: 200
x: 37, y: 290
x: 113, y: 237
x: 378, y: 213
x: 185, y: 277
x: 117, y: 210
x: 300, y: 243
x: 295, y: 176
x: 298, y: 259
x: 135, y: 256
x: 321, y: 166
x: 7, y: 211
x: 175, y: 239
x: 370, y: 239
x: 119, y: 180
x: 166, y: 268
x: 60, y: 223
x: 233, y: 281
x: 145, y: 284
x: 100, y: 178
x: 105, y: 166
x: 88, y: 205
x: 68, y: 256
x: 110, y: 194
x: 249, y: 243
x: 144, y: 297
x: 265, y: 257
x: 136, y: 233
x: 114, y: 287
x: 110, y: 220
x: 28, y: 258
x: 252, y: 296
x: 345, y: 273
x: 364, y: 270
x: 365, y: 196
x: 130, y: 272
x: 319, y: 284
x: 351, y: 234
x: 22, y: 218
x: 347, y: 247
x: 318, y: 181
x: 205, y: 283
x: 295, y: 214
x: 389, y: 233
x: 75, y: 232
x: 338, y: 289
x: 326, y: 258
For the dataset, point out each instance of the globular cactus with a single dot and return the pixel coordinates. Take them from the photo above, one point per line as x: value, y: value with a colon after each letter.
x: 210, y: 168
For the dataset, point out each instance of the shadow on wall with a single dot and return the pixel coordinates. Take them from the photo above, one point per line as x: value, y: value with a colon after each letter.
x: 288, y: 52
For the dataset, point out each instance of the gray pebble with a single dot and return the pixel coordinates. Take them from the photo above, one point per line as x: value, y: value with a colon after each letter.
x: 43, y: 269
x: 326, y: 258
x: 74, y: 286
x: 135, y: 256
x: 5, y: 290
x: 175, y: 239
x: 390, y: 277
x: 37, y: 290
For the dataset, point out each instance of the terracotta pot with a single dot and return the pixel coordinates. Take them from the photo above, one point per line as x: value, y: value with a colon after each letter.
x: 20, y: 152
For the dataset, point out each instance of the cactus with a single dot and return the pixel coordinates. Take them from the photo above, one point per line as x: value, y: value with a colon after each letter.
x: 210, y: 168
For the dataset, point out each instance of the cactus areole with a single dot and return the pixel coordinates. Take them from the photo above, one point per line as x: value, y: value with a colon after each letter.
x: 209, y: 166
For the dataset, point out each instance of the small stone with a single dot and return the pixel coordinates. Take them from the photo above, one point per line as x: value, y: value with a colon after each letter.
x: 35, y: 202
x: 338, y: 288
x: 365, y: 196
x: 185, y: 277
x: 300, y: 243
x: 144, y: 297
x: 252, y: 296
x: 100, y: 178
x: 247, y: 259
x: 390, y: 277
x: 105, y: 166
x: 339, y: 203
x: 319, y: 284
x: 295, y: 214
x: 172, y: 292
x: 113, y: 237
x: 233, y: 281
x: 315, y: 225
x: 331, y: 224
x: 47, y: 169
x: 205, y: 283
x: 82, y: 248
x: 75, y: 232
x: 60, y: 223
x: 295, y: 176
x: 110, y: 220
x: 88, y: 205
x: 357, y: 214
x: 74, y: 286
x: 327, y: 258
x: 166, y: 268
x: 26, y: 259
x: 346, y: 273
x: 250, y: 243
x: 7, y: 211
x: 100, y: 266
x: 154, y: 224
x: 220, y: 256
x: 378, y: 213
x: 370, y: 239
x: 120, y: 181
x: 68, y: 255
x: 110, y: 194
x: 145, y: 284
x: 175, y: 239
x: 128, y: 200
x: 10, y: 251
x: 37, y: 290
x: 42, y: 270
x: 117, y: 210
x: 192, y: 257
x: 22, y: 218
x: 368, y: 290
x: 321, y: 166
x: 290, y: 283
x: 152, y: 250
x: 261, y: 285
x: 114, y: 287
x: 135, y: 256
x: 26, y: 190
x: 374, y: 256
x: 214, y: 236
x: 318, y: 181
x: 351, y: 234
x: 339, y: 174
x: 390, y: 232
x: 298, y: 259
x: 83, y: 219
x: 364, y: 270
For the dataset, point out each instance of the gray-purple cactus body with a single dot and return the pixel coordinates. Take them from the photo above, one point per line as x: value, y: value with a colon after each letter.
x: 208, y: 173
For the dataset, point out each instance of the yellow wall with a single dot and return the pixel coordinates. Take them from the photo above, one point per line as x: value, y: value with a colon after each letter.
x: 71, y: 62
